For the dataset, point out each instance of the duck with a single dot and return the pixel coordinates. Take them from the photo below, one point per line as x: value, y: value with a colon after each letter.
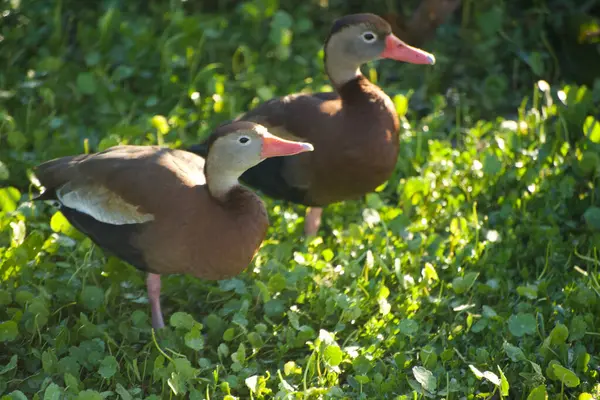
x: 168, y: 211
x: 357, y: 119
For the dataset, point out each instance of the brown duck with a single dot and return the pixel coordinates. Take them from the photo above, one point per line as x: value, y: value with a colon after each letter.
x: 358, y: 120
x: 169, y: 211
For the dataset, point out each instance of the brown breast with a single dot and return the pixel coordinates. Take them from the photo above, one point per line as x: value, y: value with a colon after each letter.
x: 359, y: 150
x: 204, y: 237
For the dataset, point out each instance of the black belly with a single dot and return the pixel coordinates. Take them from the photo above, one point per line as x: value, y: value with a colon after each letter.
x: 116, y: 239
x: 267, y: 178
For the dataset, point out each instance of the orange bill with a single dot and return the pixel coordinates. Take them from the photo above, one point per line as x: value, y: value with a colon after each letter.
x: 276, y: 147
x: 397, y: 50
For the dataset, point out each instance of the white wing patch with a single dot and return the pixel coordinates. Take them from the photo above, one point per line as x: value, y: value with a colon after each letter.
x: 101, y: 204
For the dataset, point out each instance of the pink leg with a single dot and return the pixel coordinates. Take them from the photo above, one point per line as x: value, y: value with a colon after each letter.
x: 153, y: 284
x: 312, y: 220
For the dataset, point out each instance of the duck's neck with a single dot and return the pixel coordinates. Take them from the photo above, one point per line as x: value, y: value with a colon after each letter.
x: 220, y: 179
x: 238, y: 200
x: 339, y: 69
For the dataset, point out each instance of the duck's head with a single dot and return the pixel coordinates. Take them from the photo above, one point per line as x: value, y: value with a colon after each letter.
x: 359, y: 38
x: 238, y: 146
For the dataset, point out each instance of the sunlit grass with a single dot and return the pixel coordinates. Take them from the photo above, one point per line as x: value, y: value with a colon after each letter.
x: 472, y: 273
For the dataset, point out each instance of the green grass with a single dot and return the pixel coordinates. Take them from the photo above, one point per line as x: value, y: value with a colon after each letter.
x: 474, y: 273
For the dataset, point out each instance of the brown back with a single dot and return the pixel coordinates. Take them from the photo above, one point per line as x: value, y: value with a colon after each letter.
x: 355, y: 137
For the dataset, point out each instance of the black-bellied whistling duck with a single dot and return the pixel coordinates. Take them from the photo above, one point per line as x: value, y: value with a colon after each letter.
x: 358, y: 120
x: 169, y: 211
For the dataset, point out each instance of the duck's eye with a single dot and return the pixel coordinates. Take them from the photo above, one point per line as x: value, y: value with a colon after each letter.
x: 369, y: 37
x: 244, y: 140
